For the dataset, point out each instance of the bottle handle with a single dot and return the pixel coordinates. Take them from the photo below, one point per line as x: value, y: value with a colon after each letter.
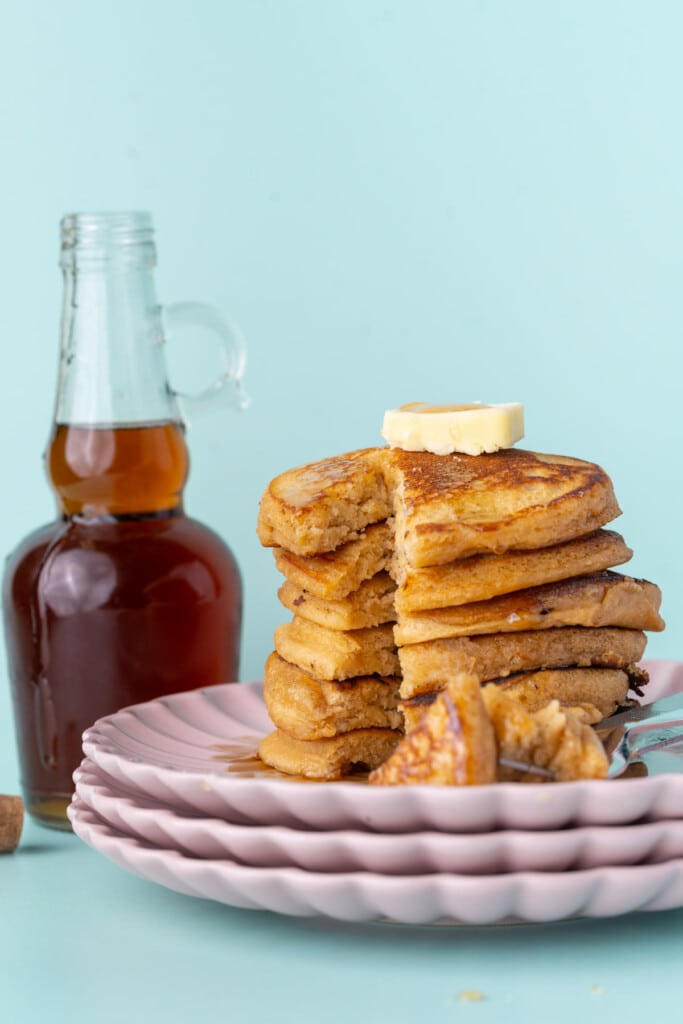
x: 227, y: 389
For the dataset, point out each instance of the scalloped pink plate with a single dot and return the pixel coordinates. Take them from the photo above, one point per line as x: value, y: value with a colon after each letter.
x: 196, y: 751
x: 414, y: 899
x: 407, y: 853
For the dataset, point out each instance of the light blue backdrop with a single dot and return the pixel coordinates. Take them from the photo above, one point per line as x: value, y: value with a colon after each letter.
x: 438, y: 200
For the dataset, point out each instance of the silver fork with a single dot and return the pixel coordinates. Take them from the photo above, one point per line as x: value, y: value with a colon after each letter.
x: 643, y: 730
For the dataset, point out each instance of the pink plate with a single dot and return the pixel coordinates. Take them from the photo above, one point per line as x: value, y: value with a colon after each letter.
x: 417, y: 899
x: 196, y: 752
x: 408, y: 853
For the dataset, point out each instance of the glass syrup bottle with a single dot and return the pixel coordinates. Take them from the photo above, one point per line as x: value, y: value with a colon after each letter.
x: 124, y: 597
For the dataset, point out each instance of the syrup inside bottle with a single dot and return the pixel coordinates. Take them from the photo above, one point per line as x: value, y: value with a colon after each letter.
x: 122, y: 600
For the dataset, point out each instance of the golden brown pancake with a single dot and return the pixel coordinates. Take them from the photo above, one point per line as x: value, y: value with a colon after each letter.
x: 336, y: 574
x: 318, y: 507
x: 309, y: 708
x: 329, y: 758
x: 597, y: 691
x: 446, y: 506
x: 470, y: 735
x: 483, y: 576
x: 599, y: 599
x: 500, y: 561
x: 453, y: 745
x: 553, y: 738
x: 428, y: 666
x: 371, y: 604
x: 452, y: 506
x: 336, y: 654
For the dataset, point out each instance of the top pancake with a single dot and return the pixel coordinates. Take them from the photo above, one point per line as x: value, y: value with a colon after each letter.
x: 454, y: 506
x: 446, y: 507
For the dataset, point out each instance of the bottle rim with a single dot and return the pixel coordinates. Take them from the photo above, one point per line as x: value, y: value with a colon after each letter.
x: 107, y: 235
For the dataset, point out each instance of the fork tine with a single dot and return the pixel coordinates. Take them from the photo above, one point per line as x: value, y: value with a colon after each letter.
x: 528, y: 769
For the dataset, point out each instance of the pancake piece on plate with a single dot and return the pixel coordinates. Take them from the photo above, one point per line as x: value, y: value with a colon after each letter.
x: 331, y: 758
x: 453, y: 745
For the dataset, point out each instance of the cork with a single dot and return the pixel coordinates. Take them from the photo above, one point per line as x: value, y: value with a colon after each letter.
x: 11, y: 822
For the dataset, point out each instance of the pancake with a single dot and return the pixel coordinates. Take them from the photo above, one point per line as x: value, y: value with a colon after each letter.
x: 334, y: 575
x: 447, y: 507
x: 598, y: 599
x: 318, y: 507
x: 606, y: 689
x: 308, y: 708
x: 483, y: 576
x: 331, y: 758
x: 598, y: 692
x: 371, y: 604
x: 470, y: 735
x: 552, y: 738
x: 427, y: 666
x: 453, y: 745
x: 501, y: 563
x: 336, y: 654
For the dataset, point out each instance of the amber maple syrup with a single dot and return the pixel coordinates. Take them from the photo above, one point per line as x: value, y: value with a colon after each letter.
x: 118, y: 470
x: 122, y: 600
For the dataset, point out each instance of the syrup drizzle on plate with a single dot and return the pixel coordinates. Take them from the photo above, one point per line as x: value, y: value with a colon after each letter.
x: 240, y: 757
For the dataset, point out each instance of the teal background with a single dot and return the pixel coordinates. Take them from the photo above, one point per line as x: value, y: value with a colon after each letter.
x: 444, y: 200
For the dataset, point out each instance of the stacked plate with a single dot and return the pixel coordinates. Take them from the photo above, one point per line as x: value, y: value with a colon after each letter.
x: 173, y: 791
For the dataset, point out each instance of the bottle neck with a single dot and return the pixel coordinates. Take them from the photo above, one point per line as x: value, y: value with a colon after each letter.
x: 118, y: 445
x: 112, y: 369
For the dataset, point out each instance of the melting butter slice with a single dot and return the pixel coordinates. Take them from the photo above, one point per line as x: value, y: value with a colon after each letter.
x: 443, y: 429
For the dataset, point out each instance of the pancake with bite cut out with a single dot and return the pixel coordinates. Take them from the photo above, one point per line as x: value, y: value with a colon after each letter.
x: 330, y: 758
x: 446, y: 507
x: 309, y: 708
x: 337, y: 654
x: 371, y: 604
x: 334, y: 575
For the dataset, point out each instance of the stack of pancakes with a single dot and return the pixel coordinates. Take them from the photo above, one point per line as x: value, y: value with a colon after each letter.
x: 404, y: 568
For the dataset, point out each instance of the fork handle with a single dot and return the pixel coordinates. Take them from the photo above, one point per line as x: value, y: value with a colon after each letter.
x: 649, y: 740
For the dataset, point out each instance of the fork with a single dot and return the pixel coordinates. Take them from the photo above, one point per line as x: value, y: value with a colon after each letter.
x: 643, y: 730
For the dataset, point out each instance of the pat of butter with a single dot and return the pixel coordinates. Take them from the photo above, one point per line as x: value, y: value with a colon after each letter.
x: 443, y: 429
